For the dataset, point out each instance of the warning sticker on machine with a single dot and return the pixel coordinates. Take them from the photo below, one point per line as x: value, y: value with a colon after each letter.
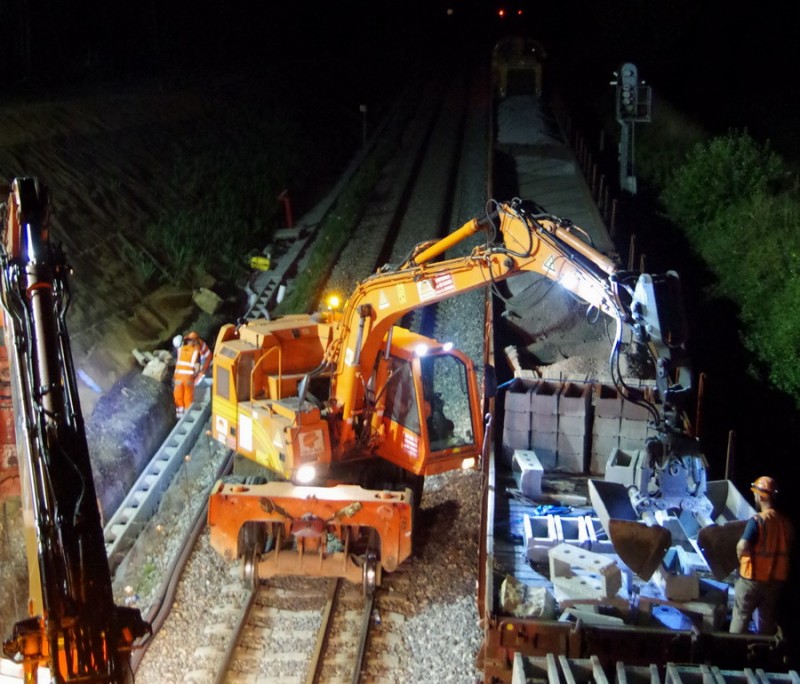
x: 411, y: 444
x: 435, y: 287
x: 312, y: 444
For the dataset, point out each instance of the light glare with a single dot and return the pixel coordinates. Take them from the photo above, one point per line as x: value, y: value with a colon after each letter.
x: 306, y: 474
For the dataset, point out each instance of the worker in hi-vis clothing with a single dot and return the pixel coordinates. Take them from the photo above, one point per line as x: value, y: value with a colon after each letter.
x: 191, y: 365
x: 763, y: 553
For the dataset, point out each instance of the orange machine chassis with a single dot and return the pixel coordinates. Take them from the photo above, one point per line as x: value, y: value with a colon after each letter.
x: 309, y: 516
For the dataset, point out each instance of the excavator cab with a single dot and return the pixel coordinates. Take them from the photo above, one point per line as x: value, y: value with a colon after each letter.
x: 431, y: 419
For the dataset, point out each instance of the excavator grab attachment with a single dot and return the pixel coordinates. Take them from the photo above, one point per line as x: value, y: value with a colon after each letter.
x: 718, y: 544
x: 641, y: 547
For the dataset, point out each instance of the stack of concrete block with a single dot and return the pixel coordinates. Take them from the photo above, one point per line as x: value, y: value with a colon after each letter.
x: 517, y: 418
x: 544, y: 422
x: 606, y: 426
x: 634, y: 426
x: 574, y: 419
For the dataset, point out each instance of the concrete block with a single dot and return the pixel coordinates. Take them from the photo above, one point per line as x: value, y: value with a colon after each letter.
x: 572, y: 530
x: 572, y: 444
x: 574, y: 399
x: 676, y: 578
x: 634, y: 429
x: 631, y: 445
x: 518, y: 398
x: 607, y: 402
x: 528, y: 472
x: 597, y: 465
x: 711, y: 616
x: 207, y: 301
x: 606, y: 427
x: 544, y: 422
x: 597, y: 574
x: 571, y: 462
x: 573, y: 425
x: 516, y: 439
x: 621, y: 466
x: 598, y: 537
x: 540, y: 537
x: 544, y: 440
x: 545, y: 398
x: 547, y: 457
x: 578, y: 587
x: 156, y: 369
x: 600, y: 452
x: 631, y: 411
x: 517, y: 421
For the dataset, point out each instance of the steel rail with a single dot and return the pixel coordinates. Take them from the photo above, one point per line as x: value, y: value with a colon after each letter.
x: 323, y: 636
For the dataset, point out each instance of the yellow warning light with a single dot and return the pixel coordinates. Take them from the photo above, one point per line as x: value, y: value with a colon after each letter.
x: 333, y: 302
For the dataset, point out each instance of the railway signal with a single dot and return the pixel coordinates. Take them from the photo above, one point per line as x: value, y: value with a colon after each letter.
x: 632, y: 104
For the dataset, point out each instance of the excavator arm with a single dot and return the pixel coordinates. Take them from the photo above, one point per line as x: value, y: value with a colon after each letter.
x: 671, y: 475
x: 74, y: 629
x: 351, y: 396
x: 530, y: 241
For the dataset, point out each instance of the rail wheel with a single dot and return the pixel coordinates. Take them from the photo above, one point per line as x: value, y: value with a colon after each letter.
x: 370, y: 573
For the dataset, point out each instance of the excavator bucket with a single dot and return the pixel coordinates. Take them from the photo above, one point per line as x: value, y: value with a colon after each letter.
x: 718, y: 544
x: 639, y: 546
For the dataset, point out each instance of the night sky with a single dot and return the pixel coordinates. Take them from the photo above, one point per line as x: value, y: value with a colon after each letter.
x: 731, y: 63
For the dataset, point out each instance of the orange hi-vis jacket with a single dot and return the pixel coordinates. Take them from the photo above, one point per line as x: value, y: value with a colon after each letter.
x: 769, y: 557
x: 188, y: 358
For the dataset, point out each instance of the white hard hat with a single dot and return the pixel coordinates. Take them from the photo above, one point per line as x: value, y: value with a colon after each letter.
x: 177, y: 341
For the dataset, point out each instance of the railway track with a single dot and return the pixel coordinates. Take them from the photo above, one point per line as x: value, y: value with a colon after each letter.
x: 299, y: 630
x: 237, y: 632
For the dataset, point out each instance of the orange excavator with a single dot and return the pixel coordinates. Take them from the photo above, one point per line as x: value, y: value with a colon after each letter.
x: 346, y: 412
x: 73, y: 628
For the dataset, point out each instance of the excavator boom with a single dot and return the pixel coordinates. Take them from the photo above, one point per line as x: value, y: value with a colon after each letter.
x: 75, y: 628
